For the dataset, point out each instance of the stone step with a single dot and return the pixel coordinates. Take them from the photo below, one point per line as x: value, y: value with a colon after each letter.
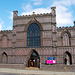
x: 32, y: 68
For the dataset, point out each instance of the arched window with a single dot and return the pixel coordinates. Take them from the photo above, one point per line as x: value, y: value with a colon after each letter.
x: 33, y: 35
x: 4, y: 41
x: 66, y: 39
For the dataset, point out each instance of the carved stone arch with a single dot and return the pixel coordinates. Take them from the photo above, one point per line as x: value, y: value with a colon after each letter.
x: 67, y: 58
x: 33, y: 21
x: 34, y: 58
x: 33, y: 50
x: 5, y: 53
x: 2, y: 39
x: 69, y: 34
x: 4, y: 58
x: 41, y: 29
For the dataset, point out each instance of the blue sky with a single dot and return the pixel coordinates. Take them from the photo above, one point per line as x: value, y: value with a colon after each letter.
x: 65, y: 11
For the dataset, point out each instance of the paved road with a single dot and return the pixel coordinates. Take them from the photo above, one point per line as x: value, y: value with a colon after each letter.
x: 16, y: 74
x: 13, y: 74
x: 8, y: 74
x: 6, y: 71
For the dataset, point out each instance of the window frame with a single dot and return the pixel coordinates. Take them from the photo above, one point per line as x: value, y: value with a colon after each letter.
x: 33, y: 38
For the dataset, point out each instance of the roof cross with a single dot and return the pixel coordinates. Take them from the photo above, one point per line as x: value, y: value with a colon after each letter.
x: 33, y: 15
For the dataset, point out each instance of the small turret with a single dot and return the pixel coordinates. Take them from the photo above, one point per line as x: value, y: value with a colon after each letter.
x: 53, y: 11
x: 15, y: 13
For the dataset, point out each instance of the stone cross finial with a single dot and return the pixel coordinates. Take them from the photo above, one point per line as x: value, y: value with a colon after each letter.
x: 33, y: 15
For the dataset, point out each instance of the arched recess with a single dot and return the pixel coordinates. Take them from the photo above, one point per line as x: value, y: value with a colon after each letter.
x: 4, y: 40
x: 66, y: 36
x: 4, y: 58
x: 33, y: 59
x: 67, y: 58
x: 41, y: 29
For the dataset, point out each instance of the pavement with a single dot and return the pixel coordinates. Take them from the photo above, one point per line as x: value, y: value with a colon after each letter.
x: 33, y: 72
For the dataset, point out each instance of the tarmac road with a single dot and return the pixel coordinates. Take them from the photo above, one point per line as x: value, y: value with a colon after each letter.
x: 8, y: 71
x: 16, y: 74
x: 9, y: 74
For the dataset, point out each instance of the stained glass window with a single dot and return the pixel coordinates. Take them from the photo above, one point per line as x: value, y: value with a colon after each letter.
x: 33, y: 35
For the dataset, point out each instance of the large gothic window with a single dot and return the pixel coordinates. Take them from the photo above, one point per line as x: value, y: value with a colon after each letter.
x: 66, y: 41
x: 33, y: 35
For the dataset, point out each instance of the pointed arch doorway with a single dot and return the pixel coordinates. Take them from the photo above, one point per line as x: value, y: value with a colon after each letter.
x: 34, y: 60
x: 4, y: 58
x: 67, y: 58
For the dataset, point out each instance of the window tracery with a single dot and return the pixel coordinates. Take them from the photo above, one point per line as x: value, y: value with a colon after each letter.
x: 66, y: 41
x: 33, y: 35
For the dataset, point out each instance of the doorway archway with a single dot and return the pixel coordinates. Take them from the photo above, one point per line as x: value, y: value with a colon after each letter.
x: 4, y: 57
x: 34, y: 60
x: 67, y: 58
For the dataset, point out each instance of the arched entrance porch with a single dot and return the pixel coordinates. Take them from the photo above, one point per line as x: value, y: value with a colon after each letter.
x: 67, y: 58
x: 34, y: 60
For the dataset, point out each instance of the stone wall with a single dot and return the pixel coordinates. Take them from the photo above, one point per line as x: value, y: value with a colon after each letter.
x: 58, y: 68
x: 8, y: 35
x: 70, y: 31
x: 20, y: 55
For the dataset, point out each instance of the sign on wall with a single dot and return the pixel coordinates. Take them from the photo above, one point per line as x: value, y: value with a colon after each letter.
x: 50, y: 60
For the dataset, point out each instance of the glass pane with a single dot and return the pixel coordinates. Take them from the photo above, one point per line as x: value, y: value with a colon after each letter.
x: 33, y: 35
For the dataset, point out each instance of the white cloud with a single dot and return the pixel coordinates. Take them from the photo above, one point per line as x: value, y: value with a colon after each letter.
x: 64, y: 2
x: 10, y: 16
x: 63, y: 13
x: 9, y: 28
x: 27, y: 7
x: 1, y: 23
x: 64, y: 17
x: 37, y: 11
x: 0, y: 26
x: 73, y: 2
x: 37, y: 2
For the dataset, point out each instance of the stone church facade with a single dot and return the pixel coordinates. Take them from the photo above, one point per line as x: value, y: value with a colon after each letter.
x: 36, y: 37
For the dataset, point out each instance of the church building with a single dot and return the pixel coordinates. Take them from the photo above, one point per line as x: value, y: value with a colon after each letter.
x: 35, y: 39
